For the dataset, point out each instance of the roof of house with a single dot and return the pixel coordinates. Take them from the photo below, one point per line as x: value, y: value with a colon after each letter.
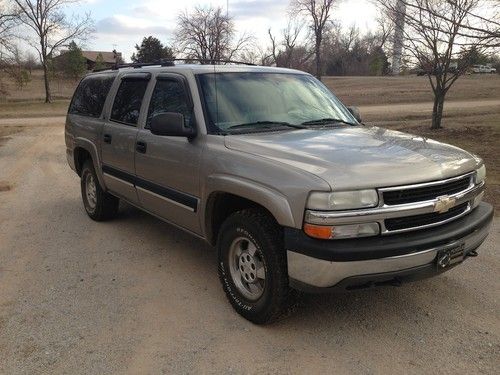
x: 108, y: 57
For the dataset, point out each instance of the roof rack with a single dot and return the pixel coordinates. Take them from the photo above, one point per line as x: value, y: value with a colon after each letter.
x: 171, y: 62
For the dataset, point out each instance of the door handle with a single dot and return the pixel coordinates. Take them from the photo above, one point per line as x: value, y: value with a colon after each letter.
x: 107, y: 138
x: 141, y: 147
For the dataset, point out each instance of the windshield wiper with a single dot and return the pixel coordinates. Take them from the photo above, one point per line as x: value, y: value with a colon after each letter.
x: 323, y: 121
x: 267, y: 125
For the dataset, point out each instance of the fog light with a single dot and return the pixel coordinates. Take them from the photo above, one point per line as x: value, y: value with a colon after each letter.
x: 327, y: 232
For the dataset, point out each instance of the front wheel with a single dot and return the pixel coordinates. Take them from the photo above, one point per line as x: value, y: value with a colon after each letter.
x: 98, y: 204
x: 252, y: 266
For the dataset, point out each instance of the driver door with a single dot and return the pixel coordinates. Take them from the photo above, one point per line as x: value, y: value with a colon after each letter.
x: 167, y: 168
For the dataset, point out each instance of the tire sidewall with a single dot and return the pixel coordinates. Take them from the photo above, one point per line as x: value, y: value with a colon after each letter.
x: 87, y: 169
x: 228, y: 234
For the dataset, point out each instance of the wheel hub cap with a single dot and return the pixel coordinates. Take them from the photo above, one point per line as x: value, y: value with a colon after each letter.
x: 247, y: 268
x: 90, y: 191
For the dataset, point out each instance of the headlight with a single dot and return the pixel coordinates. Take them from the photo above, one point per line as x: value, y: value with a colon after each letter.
x: 480, y: 174
x: 342, y: 200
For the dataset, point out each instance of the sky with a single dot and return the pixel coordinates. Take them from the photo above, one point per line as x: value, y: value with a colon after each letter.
x: 121, y: 24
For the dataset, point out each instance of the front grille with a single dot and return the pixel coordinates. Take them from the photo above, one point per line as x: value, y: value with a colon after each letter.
x: 424, y: 219
x: 425, y: 193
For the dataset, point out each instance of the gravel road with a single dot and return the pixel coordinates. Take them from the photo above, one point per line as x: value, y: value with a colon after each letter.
x: 137, y: 296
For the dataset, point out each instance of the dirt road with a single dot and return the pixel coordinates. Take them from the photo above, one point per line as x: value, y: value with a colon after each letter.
x: 137, y: 296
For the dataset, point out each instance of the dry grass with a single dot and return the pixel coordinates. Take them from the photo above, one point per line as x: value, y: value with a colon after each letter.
x: 33, y: 109
x: 35, y: 89
x: 409, y: 89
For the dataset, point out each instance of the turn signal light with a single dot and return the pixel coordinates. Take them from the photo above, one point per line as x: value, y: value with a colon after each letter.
x: 328, y: 232
x: 318, y: 231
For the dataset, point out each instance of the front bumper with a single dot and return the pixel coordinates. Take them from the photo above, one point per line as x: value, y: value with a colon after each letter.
x: 347, y: 264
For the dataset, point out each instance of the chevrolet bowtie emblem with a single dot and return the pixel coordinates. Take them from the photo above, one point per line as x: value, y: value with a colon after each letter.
x: 443, y: 204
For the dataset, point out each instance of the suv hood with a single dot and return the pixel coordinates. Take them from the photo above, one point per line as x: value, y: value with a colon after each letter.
x: 359, y: 157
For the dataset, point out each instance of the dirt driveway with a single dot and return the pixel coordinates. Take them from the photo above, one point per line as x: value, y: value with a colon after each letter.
x: 137, y: 296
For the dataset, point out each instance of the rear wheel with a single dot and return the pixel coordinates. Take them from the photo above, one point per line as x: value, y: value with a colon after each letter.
x: 98, y: 204
x: 252, y: 266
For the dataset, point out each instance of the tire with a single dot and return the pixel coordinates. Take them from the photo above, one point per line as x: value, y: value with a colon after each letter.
x: 243, y: 233
x: 98, y: 204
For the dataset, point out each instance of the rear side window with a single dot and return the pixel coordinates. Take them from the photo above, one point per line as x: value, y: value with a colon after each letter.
x: 169, y: 96
x: 90, y: 95
x: 128, y: 100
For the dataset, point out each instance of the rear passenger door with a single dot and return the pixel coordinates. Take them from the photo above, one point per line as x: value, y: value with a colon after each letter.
x: 119, y: 136
x: 167, y: 168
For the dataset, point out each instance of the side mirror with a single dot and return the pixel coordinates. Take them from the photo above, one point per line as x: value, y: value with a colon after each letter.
x: 171, y: 124
x: 355, y: 112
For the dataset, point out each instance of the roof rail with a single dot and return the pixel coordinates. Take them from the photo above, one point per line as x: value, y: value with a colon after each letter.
x: 171, y: 62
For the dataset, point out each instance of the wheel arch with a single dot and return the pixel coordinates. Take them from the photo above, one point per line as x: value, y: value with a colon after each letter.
x: 228, y: 194
x: 84, y: 150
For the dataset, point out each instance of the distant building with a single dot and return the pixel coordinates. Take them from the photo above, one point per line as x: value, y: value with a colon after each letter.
x: 108, y: 58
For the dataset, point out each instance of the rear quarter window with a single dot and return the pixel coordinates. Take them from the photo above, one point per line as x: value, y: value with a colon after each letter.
x: 90, y: 95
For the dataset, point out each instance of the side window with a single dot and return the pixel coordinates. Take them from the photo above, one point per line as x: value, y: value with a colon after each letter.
x: 169, y: 96
x: 90, y: 95
x: 128, y: 101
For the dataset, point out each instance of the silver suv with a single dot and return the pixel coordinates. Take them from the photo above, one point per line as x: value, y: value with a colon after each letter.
x: 270, y: 167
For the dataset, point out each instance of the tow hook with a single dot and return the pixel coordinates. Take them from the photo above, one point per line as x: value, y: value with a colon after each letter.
x: 472, y: 253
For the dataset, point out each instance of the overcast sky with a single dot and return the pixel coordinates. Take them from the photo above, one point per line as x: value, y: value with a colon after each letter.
x: 121, y: 24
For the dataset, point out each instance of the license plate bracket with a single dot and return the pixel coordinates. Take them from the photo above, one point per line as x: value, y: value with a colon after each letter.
x: 450, y: 256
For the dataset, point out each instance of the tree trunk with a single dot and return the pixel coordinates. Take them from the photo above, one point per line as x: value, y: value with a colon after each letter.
x: 318, y: 61
x: 48, y: 97
x: 437, y: 110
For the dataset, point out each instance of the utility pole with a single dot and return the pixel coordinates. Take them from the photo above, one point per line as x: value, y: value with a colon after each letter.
x: 397, y: 48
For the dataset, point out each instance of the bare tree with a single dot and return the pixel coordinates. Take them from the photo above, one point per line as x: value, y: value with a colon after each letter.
x: 14, y: 66
x: 385, y: 29
x: 53, y: 29
x: 319, y: 13
x: 288, y: 51
x: 438, y: 34
x: 208, y: 34
x: 8, y: 20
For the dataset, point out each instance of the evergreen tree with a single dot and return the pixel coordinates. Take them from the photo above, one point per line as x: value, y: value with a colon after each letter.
x: 72, y: 64
x: 151, y: 50
x: 99, y: 62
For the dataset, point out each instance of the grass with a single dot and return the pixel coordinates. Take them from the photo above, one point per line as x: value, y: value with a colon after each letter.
x: 409, y: 89
x: 33, y: 109
x: 35, y: 89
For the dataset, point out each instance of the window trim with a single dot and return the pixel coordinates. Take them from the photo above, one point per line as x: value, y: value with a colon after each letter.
x: 174, y: 77
x: 130, y: 77
x: 103, y: 110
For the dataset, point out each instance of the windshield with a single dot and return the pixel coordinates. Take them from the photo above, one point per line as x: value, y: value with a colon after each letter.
x: 264, y: 101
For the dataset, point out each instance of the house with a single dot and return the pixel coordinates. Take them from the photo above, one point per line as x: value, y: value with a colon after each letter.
x: 108, y: 59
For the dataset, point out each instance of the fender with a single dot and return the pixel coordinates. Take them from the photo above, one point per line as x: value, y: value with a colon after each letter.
x: 267, y: 197
x: 88, y: 145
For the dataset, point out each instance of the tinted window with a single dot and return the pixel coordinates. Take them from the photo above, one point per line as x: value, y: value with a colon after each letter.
x: 128, y: 101
x: 256, y: 99
x: 90, y: 95
x: 169, y: 96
